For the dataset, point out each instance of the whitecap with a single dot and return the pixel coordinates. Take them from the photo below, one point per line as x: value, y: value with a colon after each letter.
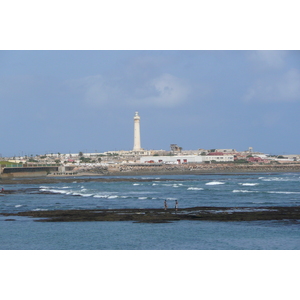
x: 214, y: 183
x: 112, y: 197
x: 136, y: 184
x: 195, y: 189
x: 19, y: 205
x: 278, y: 192
x: 100, y: 196
x: 243, y: 191
x: 142, y: 198
x: 58, y: 191
x: 249, y: 184
x: 86, y: 195
x: 171, y: 198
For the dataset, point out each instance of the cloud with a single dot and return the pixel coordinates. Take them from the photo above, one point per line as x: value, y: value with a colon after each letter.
x: 268, y: 59
x: 165, y: 90
x: 95, y: 90
x: 282, y: 88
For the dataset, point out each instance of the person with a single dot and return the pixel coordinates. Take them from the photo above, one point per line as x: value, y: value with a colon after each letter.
x: 2, y: 190
x: 176, y: 205
x: 166, y: 204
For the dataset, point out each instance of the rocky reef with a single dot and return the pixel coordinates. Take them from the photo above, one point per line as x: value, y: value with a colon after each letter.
x: 224, y: 214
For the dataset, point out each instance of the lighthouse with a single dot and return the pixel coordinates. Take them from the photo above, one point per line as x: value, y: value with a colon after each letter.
x: 137, y: 133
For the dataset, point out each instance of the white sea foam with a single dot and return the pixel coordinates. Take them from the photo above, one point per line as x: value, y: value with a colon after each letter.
x: 276, y: 179
x: 142, y: 198
x: 195, y: 189
x: 278, y: 192
x: 249, y: 184
x: 136, y: 184
x: 112, y: 197
x: 39, y: 209
x: 101, y: 196
x: 214, y: 183
x: 57, y: 191
x: 86, y: 195
x: 19, y: 205
x: 243, y: 191
x: 171, y: 198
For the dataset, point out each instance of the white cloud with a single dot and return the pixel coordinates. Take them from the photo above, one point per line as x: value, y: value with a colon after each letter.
x: 265, y: 59
x: 165, y: 90
x: 285, y: 87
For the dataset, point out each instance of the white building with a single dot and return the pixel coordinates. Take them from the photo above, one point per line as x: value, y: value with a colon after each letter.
x: 182, y: 159
x: 172, y: 159
x: 218, y: 158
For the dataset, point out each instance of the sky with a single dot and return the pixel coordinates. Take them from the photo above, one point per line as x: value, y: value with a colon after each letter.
x: 201, y: 75
x: 71, y: 101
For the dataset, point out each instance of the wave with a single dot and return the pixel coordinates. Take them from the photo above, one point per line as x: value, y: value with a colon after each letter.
x: 278, y: 179
x: 195, y: 189
x: 278, y: 192
x: 143, y: 198
x: 136, y: 184
x: 244, y: 191
x: 214, y: 183
x: 18, y: 205
x: 249, y: 184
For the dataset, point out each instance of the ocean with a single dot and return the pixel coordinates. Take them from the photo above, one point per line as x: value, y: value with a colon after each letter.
x: 234, y: 190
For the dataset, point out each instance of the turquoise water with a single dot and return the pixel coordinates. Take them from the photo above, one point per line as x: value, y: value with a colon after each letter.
x: 250, y: 190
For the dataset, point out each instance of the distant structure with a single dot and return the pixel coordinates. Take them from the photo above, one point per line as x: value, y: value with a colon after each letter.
x: 137, y: 133
x: 175, y: 148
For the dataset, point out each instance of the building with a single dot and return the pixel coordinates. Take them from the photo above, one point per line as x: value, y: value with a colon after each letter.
x: 218, y: 157
x: 172, y: 159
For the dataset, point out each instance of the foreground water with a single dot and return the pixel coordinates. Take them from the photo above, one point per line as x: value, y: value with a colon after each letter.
x: 239, y: 190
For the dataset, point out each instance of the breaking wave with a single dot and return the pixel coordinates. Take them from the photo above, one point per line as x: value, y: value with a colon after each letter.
x: 194, y: 189
x: 214, y: 183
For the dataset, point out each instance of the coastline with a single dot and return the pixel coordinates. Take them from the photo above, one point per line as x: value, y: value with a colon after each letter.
x: 115, y: 174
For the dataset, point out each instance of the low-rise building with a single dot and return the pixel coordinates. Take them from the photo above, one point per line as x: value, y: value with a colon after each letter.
x: 172, y: 159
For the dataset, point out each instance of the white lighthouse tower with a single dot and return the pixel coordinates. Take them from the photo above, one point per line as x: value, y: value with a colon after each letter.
x: 137, y: 133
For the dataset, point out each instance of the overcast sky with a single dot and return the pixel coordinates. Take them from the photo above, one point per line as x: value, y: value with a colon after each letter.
x: 71, y: 101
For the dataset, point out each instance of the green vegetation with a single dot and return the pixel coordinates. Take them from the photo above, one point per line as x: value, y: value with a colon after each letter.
x: 85, y: 159
x: 32, y: 160
x: 241, y: 161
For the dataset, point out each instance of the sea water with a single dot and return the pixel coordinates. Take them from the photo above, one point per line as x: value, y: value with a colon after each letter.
x: 236, y: 190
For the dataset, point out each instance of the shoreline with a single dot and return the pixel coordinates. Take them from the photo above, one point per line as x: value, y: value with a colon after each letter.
x: 121, y: 176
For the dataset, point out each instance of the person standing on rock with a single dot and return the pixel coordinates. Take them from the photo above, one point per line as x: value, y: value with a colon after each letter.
x: 176, y: 205
x: 165, y: 204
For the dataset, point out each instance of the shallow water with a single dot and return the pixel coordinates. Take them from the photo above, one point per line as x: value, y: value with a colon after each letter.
x: 247, y: 190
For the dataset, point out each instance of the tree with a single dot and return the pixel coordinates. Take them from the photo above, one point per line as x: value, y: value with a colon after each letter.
x: 80, y: 154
